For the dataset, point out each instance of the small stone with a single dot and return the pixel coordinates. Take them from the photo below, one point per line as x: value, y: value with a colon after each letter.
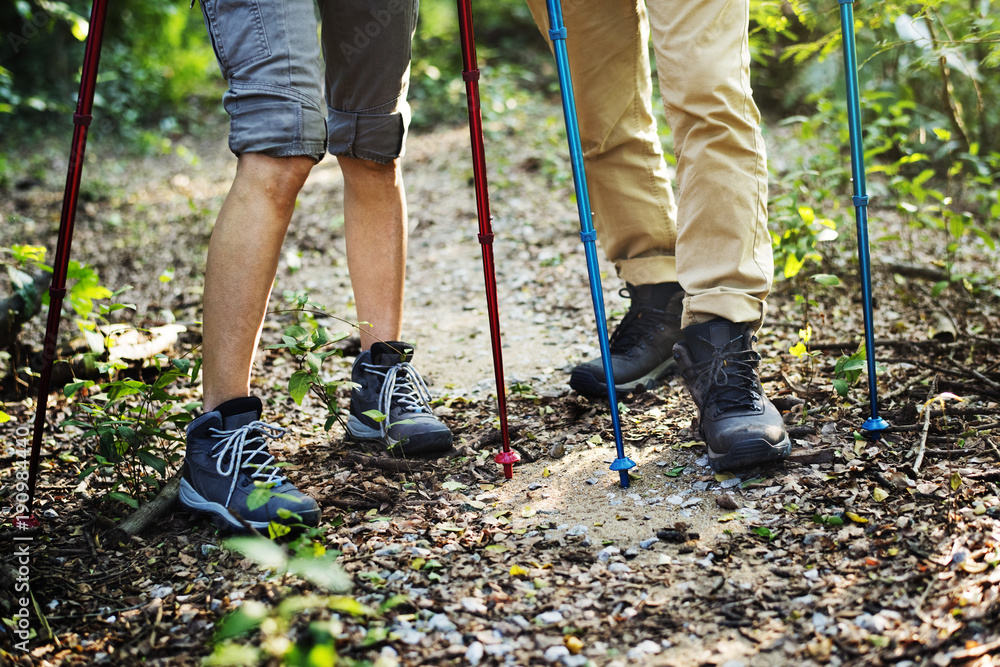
x: 631, y: 553
x: 576, y: 531
x: 647, y: 647
x: 474, y: 606
x: 440, y: 623
x: 520, y: 621
x: 207, y: 549
x: 648, y: 544
x: 349, y: 548
x: 592, y: 481
x: 619, y: 567
x: 675, y: 500
x: 50, y: 514
x: 534, y: 486
x: 549, y: 618
x: 605, y: 554
x: 587, y: 542
x: 575, y: 660
x: 729, y: 483
x: 388, y: 551
x: 701, y: 486
x: 690, y: 502
x: 161, y: 592
x: 558, y: 450
x: 556, y: 653
x: 474, y: 653
x: 733, y: 663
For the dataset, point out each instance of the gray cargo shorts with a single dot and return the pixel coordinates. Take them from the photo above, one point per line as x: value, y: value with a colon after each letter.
x: 269, y: 55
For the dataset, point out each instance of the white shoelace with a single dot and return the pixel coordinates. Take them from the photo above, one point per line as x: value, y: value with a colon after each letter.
x: 231, y: 451
x: 404, y: 384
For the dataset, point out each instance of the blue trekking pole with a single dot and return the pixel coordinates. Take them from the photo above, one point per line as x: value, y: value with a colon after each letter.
x: 874, y: 424
x: 557, y: 33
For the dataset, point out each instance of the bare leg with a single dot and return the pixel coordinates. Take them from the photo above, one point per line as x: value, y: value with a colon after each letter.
x: 375, y: 229
x: 242, y: 260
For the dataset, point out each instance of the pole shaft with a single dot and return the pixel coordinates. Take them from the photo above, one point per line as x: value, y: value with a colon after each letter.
x: 60, y: 267
x: 557, y: 33
x: 860, y: 195
x: 470, y: 73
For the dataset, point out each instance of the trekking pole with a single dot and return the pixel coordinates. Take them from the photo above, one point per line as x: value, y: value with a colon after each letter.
x: 57, y: 289
x: 557, y: 33
x: 874, y: 424
x: 470, y: 74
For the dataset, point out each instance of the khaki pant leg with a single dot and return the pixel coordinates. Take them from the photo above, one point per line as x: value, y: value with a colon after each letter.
x: 629, y: 186
x: 724, y: 258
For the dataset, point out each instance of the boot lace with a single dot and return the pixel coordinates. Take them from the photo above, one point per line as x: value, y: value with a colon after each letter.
x: 245, y: 448
x: 402, y: 388
x: 729, y: 379
x: 639, y: 324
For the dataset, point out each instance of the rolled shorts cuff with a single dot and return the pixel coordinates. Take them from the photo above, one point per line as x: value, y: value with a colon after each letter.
x: 375, y: 137
x: 730, y: 304
x: 648, y: 270
x: 275, y: 121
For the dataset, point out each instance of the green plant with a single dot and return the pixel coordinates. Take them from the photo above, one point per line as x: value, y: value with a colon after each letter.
x: 848, y: 369
x: 310, y: 345
x: 134, y: 424
x: 308, y: 559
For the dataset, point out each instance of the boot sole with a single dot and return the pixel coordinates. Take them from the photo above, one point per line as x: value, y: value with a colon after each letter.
x: 221, y: 516
x: 587, y: 384
x: 751, y: 453
x: 361, y: 431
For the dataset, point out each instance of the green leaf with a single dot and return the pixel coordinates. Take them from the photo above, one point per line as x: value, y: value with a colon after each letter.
x: 153, y: 461
x: 374, y: 415
x: 323, y: 572
x: 125, y: 498
x: 247, y: 617
x: 939, y: 287
x: 452, y: 485
x: 298, y: 385
x: 349, y: 605
x: 259, y: 497
x: 675, y: 471
x: 826, y: 279
x: 956, y: 481
x: 260, y: 550
x: 841, y: 387
x: 766, y: 533
x: 4, y: 417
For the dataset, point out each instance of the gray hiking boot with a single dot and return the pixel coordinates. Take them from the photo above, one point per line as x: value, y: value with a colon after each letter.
x: 641, y: 345
x: 739, y: 424
x: 226, y: 454
x: 389, y: 385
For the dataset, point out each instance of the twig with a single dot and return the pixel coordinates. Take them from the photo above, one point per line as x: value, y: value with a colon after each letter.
x: 927, y: 426
x: 906, y: 387
x: 136, y: 522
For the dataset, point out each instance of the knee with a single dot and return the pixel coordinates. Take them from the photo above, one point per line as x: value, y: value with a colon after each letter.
x: 280, y: 178
x: 367, y: 172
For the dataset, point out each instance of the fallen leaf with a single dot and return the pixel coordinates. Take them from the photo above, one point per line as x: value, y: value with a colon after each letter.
x: 879, y: 494
x: 855, y: 518
x: 518, y: 571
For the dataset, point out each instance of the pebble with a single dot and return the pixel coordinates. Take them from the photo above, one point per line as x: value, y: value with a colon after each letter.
x: 474, y: 606
x: 707, y: 560
x: 729, y: 483
x: 549, y: 618
x: 575, y: 660
x: 389, y: 551
x: 349, y: 548
x: 648, y: 544
x: 498, y: 649
x: 161, y: 592
x: 647, y: 647
x: 703, y: 461
x: 606, y: 553
x: 411, y: 637
x: 440, y: 623
x: 474, y: 653
x: 691, y: 502
x: 577, y: 530
x: 534, y: 486
x: 207, y: 549
x: 587, y: 542
x: 631, y: 552
x: 520, y: 621
x: 50, y: 514
x: 615, y: 502
x: 733, y: 663
x: 549, y: 510
x: 619, y: 567
x: 675, y: 500
x: 592, y: 481
x: 701, y: 486
x: 556, y: 653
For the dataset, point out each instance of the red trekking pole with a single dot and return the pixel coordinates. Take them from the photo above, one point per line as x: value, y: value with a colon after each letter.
x: 470, y: 74
x: 57, y: 289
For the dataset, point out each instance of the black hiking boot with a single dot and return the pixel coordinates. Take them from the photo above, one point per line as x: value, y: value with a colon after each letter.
x: 738, y: 423
x: 391, y: 387
x: 226, y: 454
x: 641, y: 345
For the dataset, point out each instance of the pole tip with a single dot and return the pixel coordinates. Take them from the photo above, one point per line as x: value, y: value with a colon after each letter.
x: 622, y: 464
x: 623, y: 477
x: 507, y: 458
x: 875, y: 425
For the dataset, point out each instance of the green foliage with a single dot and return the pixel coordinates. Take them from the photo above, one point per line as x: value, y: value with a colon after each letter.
x: 848, y: 370
x: 308, y: 559
x: 134, y: 425
x: 310, y: 345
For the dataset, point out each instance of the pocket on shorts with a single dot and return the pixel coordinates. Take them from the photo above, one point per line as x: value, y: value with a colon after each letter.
x: 236, y: 28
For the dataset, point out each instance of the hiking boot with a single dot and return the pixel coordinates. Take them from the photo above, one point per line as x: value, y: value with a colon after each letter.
x: 641, y: 345
x: 226, y: 455
x: 390, y: 386
x: 738, y: 423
